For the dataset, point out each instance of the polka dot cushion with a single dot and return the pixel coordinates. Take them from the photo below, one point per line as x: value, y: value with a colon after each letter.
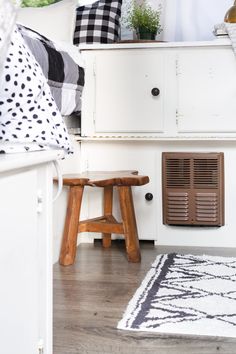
x: 28, y: 113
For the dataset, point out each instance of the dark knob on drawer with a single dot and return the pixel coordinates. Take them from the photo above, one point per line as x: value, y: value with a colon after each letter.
x: 155, y: 91
x: 149, y: 196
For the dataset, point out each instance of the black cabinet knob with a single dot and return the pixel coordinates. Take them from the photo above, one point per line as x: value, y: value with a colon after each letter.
x: 155, y: 91
x: 149, y: 196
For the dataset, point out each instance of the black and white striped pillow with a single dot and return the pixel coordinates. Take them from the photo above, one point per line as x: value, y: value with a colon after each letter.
x: 98, y: 22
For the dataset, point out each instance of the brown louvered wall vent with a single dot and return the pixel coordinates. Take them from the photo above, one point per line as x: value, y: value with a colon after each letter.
x: 193, y: 188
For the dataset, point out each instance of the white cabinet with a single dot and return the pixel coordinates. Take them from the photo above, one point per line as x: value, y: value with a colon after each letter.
x: 196, y: 83
x: 125, y: 127
x: 19, y: 263
x: 206, y: 90
x: 26, y: 252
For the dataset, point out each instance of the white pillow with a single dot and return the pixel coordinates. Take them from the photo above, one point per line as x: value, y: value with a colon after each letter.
x: 7, y: 21
x: 86, y: 2
x: 56, y: 21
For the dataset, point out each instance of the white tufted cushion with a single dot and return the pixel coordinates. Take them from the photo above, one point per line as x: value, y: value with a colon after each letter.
x: 56, y: 21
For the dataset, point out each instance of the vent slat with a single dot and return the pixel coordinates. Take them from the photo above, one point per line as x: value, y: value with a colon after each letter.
x: 178, y: 200
x: 206, y: 219
x: 178, y: 216
x: 206, y: 194
x: 206, y: 212
x: 177, y: 205
x: 203, y: 203
x: 207, y: 199
x: 178, y: 219
x: 177, y: 211
x: 206, y: 207
x: 205, y: 215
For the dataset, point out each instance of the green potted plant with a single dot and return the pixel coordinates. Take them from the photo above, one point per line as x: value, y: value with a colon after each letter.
x: 144, y: 20
x: 36, y: 3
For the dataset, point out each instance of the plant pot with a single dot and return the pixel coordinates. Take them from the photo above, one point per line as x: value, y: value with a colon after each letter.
x: 144, y: 34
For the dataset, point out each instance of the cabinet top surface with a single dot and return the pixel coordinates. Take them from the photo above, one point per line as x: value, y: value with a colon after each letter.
x: 10, y: 162
x: 225, y: 42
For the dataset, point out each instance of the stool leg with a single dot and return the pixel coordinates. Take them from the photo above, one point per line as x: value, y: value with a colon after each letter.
x: 107, y: 200
x: 69, y: 242
x: 129, y: 223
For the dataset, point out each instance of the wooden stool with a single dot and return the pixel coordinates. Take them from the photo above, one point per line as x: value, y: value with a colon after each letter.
x: 105, y: 224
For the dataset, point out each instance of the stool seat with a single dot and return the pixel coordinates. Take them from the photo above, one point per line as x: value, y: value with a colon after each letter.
x: 105, y: 178
x: 106, y: 224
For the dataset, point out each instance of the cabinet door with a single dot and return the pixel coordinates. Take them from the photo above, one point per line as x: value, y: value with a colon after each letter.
x: 206, y: 90
x: 123, y: 97
x: 19, y: 296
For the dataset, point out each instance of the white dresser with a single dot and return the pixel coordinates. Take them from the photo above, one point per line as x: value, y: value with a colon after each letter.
x: 142, y: 99
x: 26, y: 252
x: 160, y: 90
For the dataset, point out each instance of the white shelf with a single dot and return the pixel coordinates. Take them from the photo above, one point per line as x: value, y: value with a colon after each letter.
x: 144, y: 45
x: 156, y: 138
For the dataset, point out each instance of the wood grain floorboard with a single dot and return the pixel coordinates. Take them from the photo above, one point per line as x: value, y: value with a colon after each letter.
x: 91, y: 296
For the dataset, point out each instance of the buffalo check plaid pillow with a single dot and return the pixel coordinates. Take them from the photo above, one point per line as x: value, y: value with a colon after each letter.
x: 65, y: 77
x: 98, y: 22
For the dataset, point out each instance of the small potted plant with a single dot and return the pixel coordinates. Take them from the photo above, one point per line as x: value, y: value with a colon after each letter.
x: 36, y: 3
x: 144, y: 20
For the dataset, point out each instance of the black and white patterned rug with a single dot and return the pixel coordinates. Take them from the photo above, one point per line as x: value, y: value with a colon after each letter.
x: 185, y: 294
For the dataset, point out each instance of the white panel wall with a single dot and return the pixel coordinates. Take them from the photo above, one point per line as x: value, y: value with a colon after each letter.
x: 146, y: 157
x: 190, y: 20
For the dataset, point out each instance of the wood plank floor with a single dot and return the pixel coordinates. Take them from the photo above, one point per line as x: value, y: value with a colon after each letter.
x: 90, y: 297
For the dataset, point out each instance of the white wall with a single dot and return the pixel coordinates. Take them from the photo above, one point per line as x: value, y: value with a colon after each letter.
x: 190, y: 20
